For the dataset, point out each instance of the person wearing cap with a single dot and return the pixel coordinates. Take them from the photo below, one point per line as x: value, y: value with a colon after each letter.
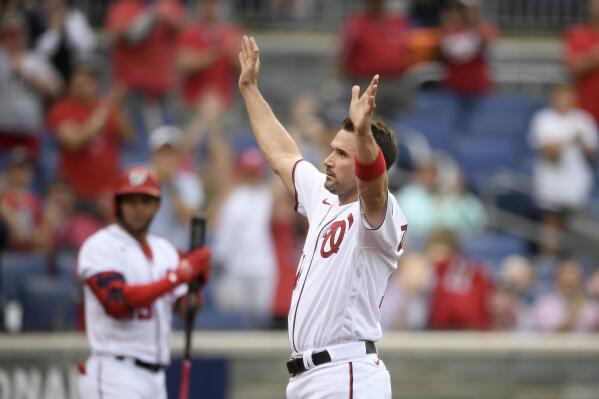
x: 244, y: 247
x: 20, y: 207
x: 89, y: 129
x: 182, y: 191
x: 132, y: 282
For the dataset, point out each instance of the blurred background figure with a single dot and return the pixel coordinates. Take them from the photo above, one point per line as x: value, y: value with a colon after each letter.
x: 26, y: 81
x: 464, y: 51
x: 407, y: 301
x: 182, y: 191
x: 373, y: 42
x: 20, y: 206
x: 144, y: 37
x: 66, y: 225
x: 582, y: 59
x: 244, y: 248
x: 207, y: 57
x: 65, y: 36
x: 568, y: 308
x: 512, y: 305
x: 90, y: 128
x: 565, y: 140
x: 462, y: 291
x: 440, y: 200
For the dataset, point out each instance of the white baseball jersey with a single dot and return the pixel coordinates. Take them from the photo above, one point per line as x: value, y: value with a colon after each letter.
x: 145, y: 336
x: 344, y: 267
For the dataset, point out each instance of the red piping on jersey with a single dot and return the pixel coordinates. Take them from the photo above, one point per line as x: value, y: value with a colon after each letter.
x: 385, y: 217
x: 293, y: 180
x: 351, y: 380
x: 304, y: 284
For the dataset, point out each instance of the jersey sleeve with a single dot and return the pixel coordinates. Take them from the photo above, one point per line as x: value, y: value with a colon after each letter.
x: 309, y: 187
x: 96, y: 257
x: 389, y: 236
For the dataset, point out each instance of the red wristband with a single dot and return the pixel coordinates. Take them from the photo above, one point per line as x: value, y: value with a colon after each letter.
x: 372, y: 170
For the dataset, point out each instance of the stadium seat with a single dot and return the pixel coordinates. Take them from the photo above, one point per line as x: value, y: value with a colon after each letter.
x: 48, y: 304
x: 481, y: 156
x: 16, y: 268
x: 502, y: 115
x: 492, y: 248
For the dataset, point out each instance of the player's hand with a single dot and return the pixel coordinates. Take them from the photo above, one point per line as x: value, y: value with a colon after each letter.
x: 249, y: 62
x: 194, y: 264
x: 362, y: 107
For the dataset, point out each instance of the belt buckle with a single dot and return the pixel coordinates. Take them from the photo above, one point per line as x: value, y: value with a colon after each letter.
x: 292, y: 367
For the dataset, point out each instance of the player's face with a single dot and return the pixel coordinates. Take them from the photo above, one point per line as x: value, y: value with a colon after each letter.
x: 339, y: 165
x: 137, y: 211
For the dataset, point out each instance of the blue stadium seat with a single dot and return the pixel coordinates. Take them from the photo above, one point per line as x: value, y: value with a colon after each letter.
x: 502, y: 115
x: 16, y: 268
x: 493, y: 247
x: 48, y: 304
x: 481, y: 156
x: 440, y: 134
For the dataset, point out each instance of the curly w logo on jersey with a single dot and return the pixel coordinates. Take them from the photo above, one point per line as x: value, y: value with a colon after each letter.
x: 333, y: 237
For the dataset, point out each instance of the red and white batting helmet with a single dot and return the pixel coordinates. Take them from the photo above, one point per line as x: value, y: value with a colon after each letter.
x: 138, y: 180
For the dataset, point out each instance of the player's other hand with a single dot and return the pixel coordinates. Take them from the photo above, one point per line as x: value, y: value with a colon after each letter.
x: 249, y: 62
x: 194, y: 264
x: 362, y: 106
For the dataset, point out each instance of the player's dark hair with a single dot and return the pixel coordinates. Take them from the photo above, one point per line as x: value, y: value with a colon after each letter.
x: 384, y: 137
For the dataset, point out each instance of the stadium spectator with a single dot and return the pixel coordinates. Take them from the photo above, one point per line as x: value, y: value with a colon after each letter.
x: 565, y: 139
x: 512, y: 305
x: 65, y: 227
x: 67, y: 37
x: 582, y: 59
x: 406, y: 302
x: 144, y: 38
x: 26, y: 81
x: 434, y: 200
x: 20, y: 207
x: 243, y: 241
x: 182, y: 191
x: 462, y: 292
x: 464, y: 42
x: 89, y: 129
x: 207, y: 57
x: 568, y: 308
x: 373, y: 42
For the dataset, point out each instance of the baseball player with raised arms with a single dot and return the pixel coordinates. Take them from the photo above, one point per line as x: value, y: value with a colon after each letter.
x: 133, y: 280
x: 354, y: 240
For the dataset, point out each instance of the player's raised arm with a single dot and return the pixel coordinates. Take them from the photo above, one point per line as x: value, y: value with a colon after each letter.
x: 370, y: 163
x: 276, y: 144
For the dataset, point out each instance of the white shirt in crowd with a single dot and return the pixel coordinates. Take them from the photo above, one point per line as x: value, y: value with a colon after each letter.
x: 78, y: 34
x: 167, y: 222
x: 566, y: 182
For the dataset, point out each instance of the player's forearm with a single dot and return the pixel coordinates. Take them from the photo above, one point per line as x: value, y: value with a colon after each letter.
x: 372, y: 191
x: 272, y: 138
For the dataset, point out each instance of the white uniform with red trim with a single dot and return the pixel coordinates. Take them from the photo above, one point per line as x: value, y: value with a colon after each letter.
x: 340, y: 284
x: 145, y: 336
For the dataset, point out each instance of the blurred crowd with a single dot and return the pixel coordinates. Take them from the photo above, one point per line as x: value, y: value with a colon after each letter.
x: 157, y: 85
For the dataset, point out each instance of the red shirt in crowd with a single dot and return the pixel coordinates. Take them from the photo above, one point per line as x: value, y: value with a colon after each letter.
x: 219, y: 77
x: 464, y: 53
x: 374, y: 44
x: 580, y: 41
x: 90, y: 170
x: 147, y: 66
x: 461, y: 296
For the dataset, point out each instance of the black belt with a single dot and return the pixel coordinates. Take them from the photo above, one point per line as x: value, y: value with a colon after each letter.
x: 153, y: 367
x: 296, y: 366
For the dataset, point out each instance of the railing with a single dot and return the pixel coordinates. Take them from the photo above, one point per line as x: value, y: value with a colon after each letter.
x: 517, y: 16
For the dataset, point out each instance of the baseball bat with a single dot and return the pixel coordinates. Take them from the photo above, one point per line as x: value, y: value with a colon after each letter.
x: 198, y: 237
